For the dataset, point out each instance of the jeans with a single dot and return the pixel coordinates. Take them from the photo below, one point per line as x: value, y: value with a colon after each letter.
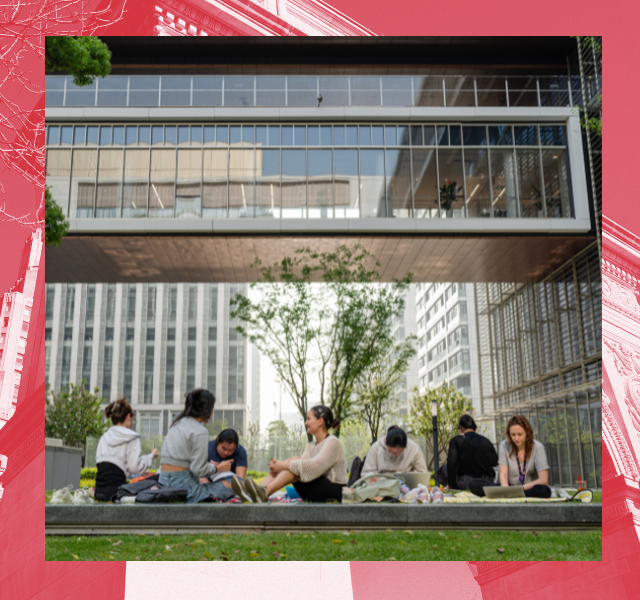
x: 196, y: 491
x: 537, y: 491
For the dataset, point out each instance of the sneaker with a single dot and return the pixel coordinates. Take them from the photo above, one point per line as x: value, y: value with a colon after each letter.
x: 62, y: 496
x: 257, y: 492
x: 82, y: 497
x: 239, y: 489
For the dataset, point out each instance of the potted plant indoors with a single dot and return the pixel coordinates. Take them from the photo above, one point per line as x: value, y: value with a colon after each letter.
x: 449, y: 192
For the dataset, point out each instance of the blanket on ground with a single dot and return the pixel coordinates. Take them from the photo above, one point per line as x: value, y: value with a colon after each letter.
x: 466, y: 497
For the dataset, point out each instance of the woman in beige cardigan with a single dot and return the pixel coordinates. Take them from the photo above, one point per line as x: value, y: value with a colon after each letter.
x: 394, y: 454
x: 318, y: 475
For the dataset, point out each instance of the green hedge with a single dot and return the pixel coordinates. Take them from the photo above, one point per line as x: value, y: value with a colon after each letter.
x: 92, y: 472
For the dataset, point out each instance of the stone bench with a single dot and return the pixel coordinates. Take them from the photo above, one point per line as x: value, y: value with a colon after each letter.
x: 234, y: 518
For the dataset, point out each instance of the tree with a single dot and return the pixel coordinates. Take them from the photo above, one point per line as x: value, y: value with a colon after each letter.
x: 451, y: 404
x: 55, y: 224
x: 377, y: 385
x: 73, y: 414
x: 277, y: 434
x: 83, y: 57
x: 345, y: 317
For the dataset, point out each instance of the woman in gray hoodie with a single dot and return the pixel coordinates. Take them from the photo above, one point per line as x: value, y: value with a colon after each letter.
x: 118, y: 454
x: 185, y: 451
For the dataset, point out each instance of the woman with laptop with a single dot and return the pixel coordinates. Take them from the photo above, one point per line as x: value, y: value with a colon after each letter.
x: 522, y: 461
x: 394, y: 454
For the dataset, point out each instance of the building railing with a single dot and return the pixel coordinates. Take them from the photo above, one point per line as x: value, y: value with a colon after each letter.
x: 306, y: 91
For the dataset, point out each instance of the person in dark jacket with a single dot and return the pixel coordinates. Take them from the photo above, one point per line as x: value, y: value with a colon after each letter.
x: 471, y: 456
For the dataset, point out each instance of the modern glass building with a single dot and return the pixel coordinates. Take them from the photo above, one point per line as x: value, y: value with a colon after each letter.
x: 151, y: 343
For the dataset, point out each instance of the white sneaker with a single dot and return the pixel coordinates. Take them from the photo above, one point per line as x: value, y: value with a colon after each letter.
x: 82, y: 497
x: 62, y: 496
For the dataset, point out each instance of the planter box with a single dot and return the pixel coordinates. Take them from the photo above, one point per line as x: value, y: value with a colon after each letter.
x: 61, y: 465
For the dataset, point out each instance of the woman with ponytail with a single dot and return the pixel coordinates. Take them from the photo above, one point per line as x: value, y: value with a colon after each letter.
x: 185, y: 451
x: 318, y: 475
x: 118, y: 454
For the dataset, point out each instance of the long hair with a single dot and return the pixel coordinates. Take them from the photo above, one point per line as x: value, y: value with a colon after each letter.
x: 524, y: 423
x: 197, y: 403
x: 325, y: 413
x: 118, y: 411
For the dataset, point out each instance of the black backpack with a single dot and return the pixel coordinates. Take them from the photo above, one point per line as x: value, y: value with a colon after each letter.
x: 356, y: 470
x: 150, y: 491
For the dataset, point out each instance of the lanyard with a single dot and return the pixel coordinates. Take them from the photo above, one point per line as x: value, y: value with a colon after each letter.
x: 522, y: 470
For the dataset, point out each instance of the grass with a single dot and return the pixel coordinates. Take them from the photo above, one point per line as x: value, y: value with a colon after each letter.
x: 377, y: 545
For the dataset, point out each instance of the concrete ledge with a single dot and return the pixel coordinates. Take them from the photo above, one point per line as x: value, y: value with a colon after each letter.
x: 217, y: 518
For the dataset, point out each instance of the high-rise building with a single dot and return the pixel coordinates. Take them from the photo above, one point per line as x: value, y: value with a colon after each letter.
x: 15, y: 318
x: 151, y: 343
x: 446, y: 327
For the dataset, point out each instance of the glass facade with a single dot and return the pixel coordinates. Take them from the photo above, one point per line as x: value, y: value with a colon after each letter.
x: 304, y: 90
x: 310, y: 171
x: 540, y: 355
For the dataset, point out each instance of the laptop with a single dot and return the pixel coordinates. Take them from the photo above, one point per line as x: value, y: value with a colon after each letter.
x: 413, y: 479
x: 511, y: 491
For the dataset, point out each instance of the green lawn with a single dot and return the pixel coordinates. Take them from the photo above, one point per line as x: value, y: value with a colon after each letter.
x: 378, y: 545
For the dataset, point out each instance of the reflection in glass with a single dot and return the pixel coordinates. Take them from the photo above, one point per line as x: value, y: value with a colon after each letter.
x: 425, y: 184
x: 162, y: 191
x: 131, y: 135
x: 83, y: 182
x: 313, y: 134
x: 338, y: 135
x: 503, y: 184
x: 428, y: 91
x: 136, y: 177
x: 58, y: 168
x: 214, y: 191
x: 372, y: 184
x: 500, y: 135
x: 459, y: 91
x: 118, y: 135
x: 53, y: 135
x: 529, y: 181
x: 345, y: 168
x: 241, y: 183
x: 261, y: 135
x: 475, y: 135
x: 451, y: 183
x: 109, y: 184
x: 294, y: 188
x: 66, y: 132
x: 476, y: 170
x: 267, y: 183
x: 556, y: 189
x: 399, y: 182
x: 325, y: 135
x: 92, y: 135
x: 320, y: 185
x: 287, y: 135
x: 552, y: 135
x: 78, y: 135
x: 377, y: 135
x: 352, y: 135
x: 188, y: 183
x: 144, y: 134
x: 526, y: 135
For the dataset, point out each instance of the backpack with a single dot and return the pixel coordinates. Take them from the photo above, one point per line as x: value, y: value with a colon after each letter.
x: 356, y: 470
x: 150, y: 491
x: 365, y: 489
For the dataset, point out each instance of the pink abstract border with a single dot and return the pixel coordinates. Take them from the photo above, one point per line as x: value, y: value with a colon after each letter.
x: 23, y: 571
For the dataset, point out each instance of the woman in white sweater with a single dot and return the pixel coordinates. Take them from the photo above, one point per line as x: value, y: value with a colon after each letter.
x: 394, y: 454
x: 318, y: 475
x: 118, y: 454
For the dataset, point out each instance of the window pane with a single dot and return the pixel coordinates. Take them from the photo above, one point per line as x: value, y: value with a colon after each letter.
x: 188, y: 183
x: 320, y: 184
x: 58, y: 169
x: 416, y: 135
x: 352, y: 135
x: 454, y: 135
x: 118, y: 135
x: 428, y: 91
x: 78, y: 135
x: 105, y: 136
x: 377, y: 135
x: 442, y: 134
x: 162, y: 192
x: 169, y: 98
x: 208, y: 98
x: 131, y: 135
x: 500, y: 135
x: 398, y: 182
x: 556, y: 187
x: 83, y: 182
x: 235, y: 135
x: 476, y: 170
x: 372, y: 184
x: 300, y: 135
x: 136, y: 175
x: 214, y: 193
x: 338, y: 135
x: 109, y: 194
x: 529, y: 182
x: 345, y: 168
x: 390, y: 135
x: 294, y: 189
x: 247, y: 134
x: 552, y: 135
x: 261, y: 135
x: 274, y: 135
x: 92, y: 135
x: 209, y: 135
x: 403, y: 135
x: 222, y: 134
x: 451, y: 187
x: 526, y: 136
x: 522, y: 98
x: 183, y: 134
x: 396, y: 91
x: 325, y: 135
x: 313, y: 135
x: 268, y: 183
x: 425, y: 184
x: 365, y: 91
x: 475, y: 135
x: 503, y: 184
x: 196, y: 135
x: 66, y: 132
x: 157, y: 135
x: 241, y: 183
x: 287, y: 135
x: 53, y: 135
x: 170, y: 137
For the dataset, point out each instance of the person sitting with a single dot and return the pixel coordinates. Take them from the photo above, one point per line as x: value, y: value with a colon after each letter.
x: 317, y: 476
x: 522, y: 461
x: 118, y: 453
x: 394, y: 454
x: 185, y: 451
x: 470, y: 456
x: 227, y: 447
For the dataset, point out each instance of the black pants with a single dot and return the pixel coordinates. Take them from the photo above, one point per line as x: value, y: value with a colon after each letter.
x: 319, y: 490
x: 537, y: 491
x: 462, y: 481
x: 109, y: 478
